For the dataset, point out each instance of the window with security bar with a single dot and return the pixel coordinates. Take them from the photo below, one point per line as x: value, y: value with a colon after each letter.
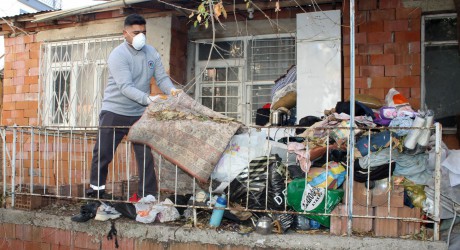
x: 240, y: 74
x: 73, y: 77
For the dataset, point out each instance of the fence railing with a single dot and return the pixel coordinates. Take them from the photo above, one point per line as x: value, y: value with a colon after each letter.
x: 56, y: 162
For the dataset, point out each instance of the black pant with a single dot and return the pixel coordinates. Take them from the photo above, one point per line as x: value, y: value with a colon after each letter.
x: 108, y: 139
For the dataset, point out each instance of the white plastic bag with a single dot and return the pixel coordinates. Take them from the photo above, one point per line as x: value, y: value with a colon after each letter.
x: 239, y: 152
x: 144, y: 209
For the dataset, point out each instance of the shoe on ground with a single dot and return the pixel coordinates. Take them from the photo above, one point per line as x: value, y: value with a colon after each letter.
x: 106, y: 212
x: 134, y: 198
x: 87, y: 212
x: 94, y: 194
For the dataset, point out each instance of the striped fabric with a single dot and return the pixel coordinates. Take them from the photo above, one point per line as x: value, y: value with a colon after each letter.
x: 290, y: 77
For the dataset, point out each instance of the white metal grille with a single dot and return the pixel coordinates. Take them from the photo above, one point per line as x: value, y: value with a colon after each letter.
x: 73, y: 75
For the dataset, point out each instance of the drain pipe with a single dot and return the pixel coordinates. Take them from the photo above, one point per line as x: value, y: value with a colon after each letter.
x: 352, y: 117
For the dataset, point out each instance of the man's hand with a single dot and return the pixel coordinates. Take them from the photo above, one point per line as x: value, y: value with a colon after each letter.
x: 176, y: 92
x: 161, y: 96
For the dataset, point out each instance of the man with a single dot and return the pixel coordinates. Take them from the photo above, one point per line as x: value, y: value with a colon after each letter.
x: 131, y: 66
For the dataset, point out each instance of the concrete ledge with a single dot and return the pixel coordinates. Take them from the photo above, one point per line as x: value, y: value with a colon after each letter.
x: 169, y: 234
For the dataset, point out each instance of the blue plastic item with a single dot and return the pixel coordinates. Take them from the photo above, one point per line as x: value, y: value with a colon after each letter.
x: 217, y: 214
x: 314, y: 224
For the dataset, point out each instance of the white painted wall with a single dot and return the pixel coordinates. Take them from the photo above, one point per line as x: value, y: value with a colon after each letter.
x: 318, y: 62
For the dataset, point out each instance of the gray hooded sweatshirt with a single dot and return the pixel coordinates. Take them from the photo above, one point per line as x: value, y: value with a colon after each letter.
x: 128, y: 86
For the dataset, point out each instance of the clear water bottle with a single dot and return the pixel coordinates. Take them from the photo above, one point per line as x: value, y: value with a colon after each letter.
x: 217, y: 214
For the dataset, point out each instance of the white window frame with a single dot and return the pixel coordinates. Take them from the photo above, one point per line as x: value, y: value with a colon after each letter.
x: 245, y: 90
x: 46, y: 101
x: 423, y: 44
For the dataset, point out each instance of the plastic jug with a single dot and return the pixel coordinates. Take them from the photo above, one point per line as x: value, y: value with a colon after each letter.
x: 217, y: 214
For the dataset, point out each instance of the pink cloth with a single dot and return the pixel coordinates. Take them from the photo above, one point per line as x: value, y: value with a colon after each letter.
x: 303, y: 156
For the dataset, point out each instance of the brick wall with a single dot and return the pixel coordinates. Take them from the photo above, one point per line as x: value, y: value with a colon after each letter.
x: 20, y: 86
x: 387, y: 49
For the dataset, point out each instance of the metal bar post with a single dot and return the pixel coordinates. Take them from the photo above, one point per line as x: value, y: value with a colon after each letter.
x: 437, y: 181
x: 352, y: 117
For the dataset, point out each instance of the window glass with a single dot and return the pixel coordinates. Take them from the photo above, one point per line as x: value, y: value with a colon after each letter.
x: 223, y: 50
x: 441, y: 29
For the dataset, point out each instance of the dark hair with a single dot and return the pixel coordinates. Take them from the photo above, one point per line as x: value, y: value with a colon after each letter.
x: 134, y: 19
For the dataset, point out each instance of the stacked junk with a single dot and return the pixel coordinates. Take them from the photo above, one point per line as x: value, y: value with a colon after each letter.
x: 284, y: 176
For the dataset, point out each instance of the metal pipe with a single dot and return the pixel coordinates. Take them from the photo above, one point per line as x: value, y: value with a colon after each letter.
x: 352, y: 117
x: 437, y: 181
x: 13, y: 166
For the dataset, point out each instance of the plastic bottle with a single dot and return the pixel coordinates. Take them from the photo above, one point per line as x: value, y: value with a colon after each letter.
x: 217, y: 214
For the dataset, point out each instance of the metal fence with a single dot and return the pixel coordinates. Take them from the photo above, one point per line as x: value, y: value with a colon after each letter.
x: 56, y: 162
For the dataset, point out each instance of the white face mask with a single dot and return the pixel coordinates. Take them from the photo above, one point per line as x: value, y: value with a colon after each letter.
x: 138, y: 41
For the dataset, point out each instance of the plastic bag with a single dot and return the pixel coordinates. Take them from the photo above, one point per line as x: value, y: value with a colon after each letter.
x: 415, y: 192
x: 144, y: 209
x: 335, y: 176
x: 241, y: 149
x: 305, y: 198
x: 368, y: 100
x: 394, y: 98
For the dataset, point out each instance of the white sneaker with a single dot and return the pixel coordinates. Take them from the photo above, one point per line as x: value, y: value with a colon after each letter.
x: 106, y: 212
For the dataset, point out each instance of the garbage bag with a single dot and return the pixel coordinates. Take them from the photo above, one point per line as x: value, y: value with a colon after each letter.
x: 335, y: 176
x: 415, y: 192
x: 305, y: 198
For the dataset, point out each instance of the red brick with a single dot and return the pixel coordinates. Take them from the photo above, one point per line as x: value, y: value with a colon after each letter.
x: 359, y: 60
x: 20, y: 72
x: 19, y: 40
x: 415, y: 69
x: 63, y: 237
x: 19, y: 80
x: 379, y: 37
x: 379, y: 93
x: 396, y: 25
x: 34, y: 88
x: 373, y: 26
x: 384, y: 59
x: 31, y: 80
x: 19, y: 64
x: 9, y: 89
x: 8, y: 73
x: 396, y: 48
x: 407, y: 59
x: 408, y: 13
x: 390, y: 4
x: 378, y: 15
x: 33, y: 71
x: 381, y: 82
x: 104, y: 15
x: 7, y: 230
x: 360, y: 82
x: 407, y: 36
x: 408, y: 81
x: 415, y: 103
x: 21, y: 105
x: 49, y: 235
x: 34, y: 47
x: 28, y: 113
x: 370, y: 49
x: 18, y: 97
x: 9, y: 58
x: 367, y: 4
x: 17, y: 113
x: 371, y: 70
x: 346, y: 50
x: 397, y: 70
x: 18, y: 48
x: 414, y: 24
x: 29, y: 38
x: 386, y: 227
x: 360, y: 38
x: 23, y: 56
x: 9, y: 41
x: 9, y: 106
x: 32, y: 245
x: 45, y: 246
x: 415, y: 93
x: 31, y: 63
x: 31, y: 97
x: 34, y: 54
x: 126, y: 243
x: 414, y: 47
x: 347, y: 72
